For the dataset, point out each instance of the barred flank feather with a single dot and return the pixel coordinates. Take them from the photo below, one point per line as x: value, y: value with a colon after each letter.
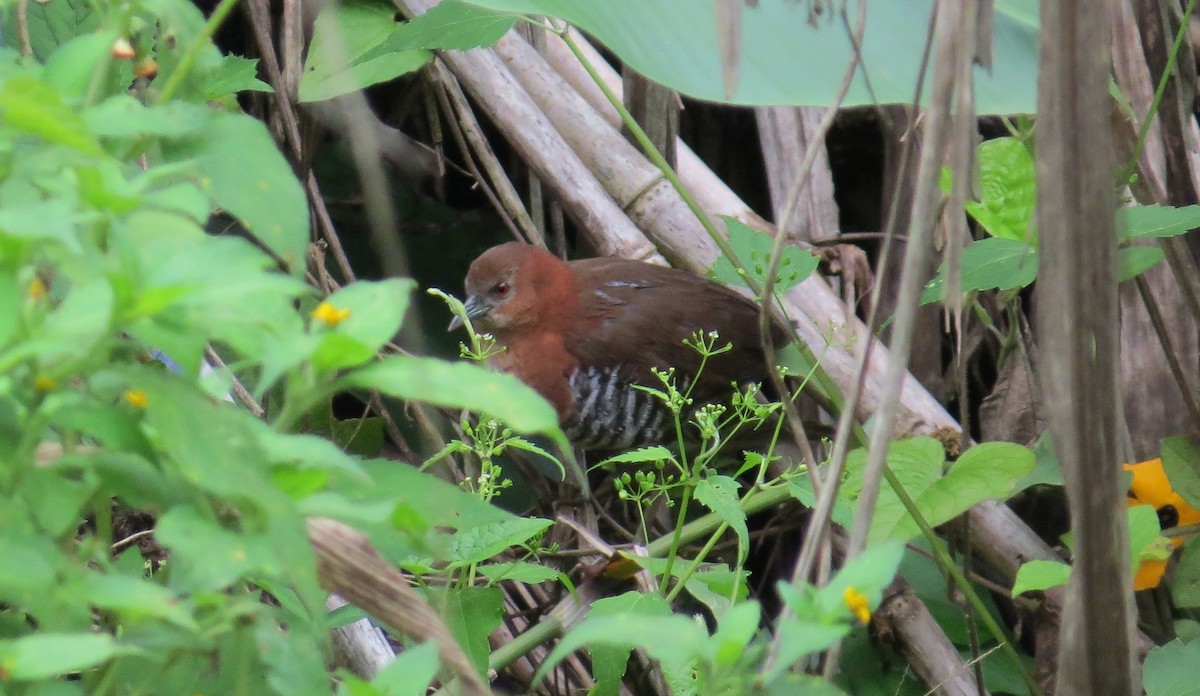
x: 612, y: 414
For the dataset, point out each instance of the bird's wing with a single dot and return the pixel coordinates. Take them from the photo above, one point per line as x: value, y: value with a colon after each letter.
x: 638, y: 315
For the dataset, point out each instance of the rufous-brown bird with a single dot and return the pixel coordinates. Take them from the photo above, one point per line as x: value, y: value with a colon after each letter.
x: 584, y: 333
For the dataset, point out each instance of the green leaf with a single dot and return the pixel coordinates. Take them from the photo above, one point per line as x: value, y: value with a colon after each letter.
x: 1046, y: 469
x: 77, y: 64
x: 53, y: 219
x: 451, y: 25
x: 34, y: 107
x: 481, y: 543
x: 77, y: 325
x: 244, y: 173
x: 666, y: 638
x: 1170, y: 670
x: 801, y: 489
x: 1133, y: 261
x: 754, y: 249
x: 471, y: 614
x: 720, y: 494
x: 735, y: 629
x: 988, y: 471
x: 376, y: 310
x: 223, y: 457
x: 1040, y: 575
x: 1185, y: 584
x: 609, y: 662
x: 232, y: 75
x: 1153, y: 221
x: 294, y: 662
x: 458, y: 385
x: 48, y: 655
x: 798, y: 638
x: 868, y: 574
x: 52, y: 24
x: 916, y: 462
x: 989, y: 264
x: 1006, y: 177
x: 789, y: 55
x: 410, y: 673
x: 204, y: 556
x: 135, y: 597
x: 642, y: 455
x: 1145, y: 539
x: 528, y: 573
x: 437, y: 502
x: 347, y: 51
x: 123, y: 116
x: 714, y: 585
x: 807, y: 684
x: 1181, y: 462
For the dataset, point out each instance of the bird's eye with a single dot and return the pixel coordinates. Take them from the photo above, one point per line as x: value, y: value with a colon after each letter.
x: 501, y: 289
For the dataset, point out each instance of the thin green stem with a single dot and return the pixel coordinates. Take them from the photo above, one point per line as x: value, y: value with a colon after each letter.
x: 677, y: 536
x: 762, y: 499
x: 546, y: 628
x: 204, y: 39
x: 695, y: 564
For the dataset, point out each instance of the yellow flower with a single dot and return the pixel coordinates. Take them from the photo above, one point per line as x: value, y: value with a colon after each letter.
x: 329, y: 315
x: 859, y: 605
x: 44, y: 383
x: 37, y: 289
x: 136, y: 398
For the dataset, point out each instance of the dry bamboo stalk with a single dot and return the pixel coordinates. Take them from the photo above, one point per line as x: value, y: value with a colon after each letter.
x: 348, y: 565
x: 784, y: 133
x: 542, y: 147
x: 712, y: 193
x: 906, y: 621
x: 359, y: 647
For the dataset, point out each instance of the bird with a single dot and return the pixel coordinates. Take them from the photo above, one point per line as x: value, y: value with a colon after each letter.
x: 585, y: 334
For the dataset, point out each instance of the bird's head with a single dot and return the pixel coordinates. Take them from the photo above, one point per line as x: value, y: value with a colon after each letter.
x: 514, y: 286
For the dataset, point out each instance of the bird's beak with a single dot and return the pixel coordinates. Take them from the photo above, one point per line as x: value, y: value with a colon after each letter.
x: 475, y: 308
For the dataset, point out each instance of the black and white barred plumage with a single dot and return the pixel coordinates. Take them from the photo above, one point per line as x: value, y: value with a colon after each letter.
x: 611, y: 414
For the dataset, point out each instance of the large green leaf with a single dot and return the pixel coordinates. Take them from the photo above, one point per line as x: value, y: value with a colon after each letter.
x: 790, y: 57
x: 987, y: 471
x: 720, y: 494
x: 376, y: 310
x: 1170, y: 670
x: 348, y: 50
x: 481, y: 543
x: 610, y: 661
x: 471, y: 614
x: 46, y: 655
x: 989, y: 264
x: 1143, y: 221
x: 241, y: 168
x: 1009, y: 190
x: 458, y: 385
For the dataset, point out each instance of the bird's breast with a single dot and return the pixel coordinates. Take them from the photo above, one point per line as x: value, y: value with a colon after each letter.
x: 610, y: 413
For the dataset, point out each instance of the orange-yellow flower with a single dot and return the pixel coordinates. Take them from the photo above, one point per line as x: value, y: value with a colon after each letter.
x: 136, y: 398
x: 858, y: 603
x: 1151, y: 487
x: 44, y: 383
x: 329, y: 315
x: 37, y: 289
